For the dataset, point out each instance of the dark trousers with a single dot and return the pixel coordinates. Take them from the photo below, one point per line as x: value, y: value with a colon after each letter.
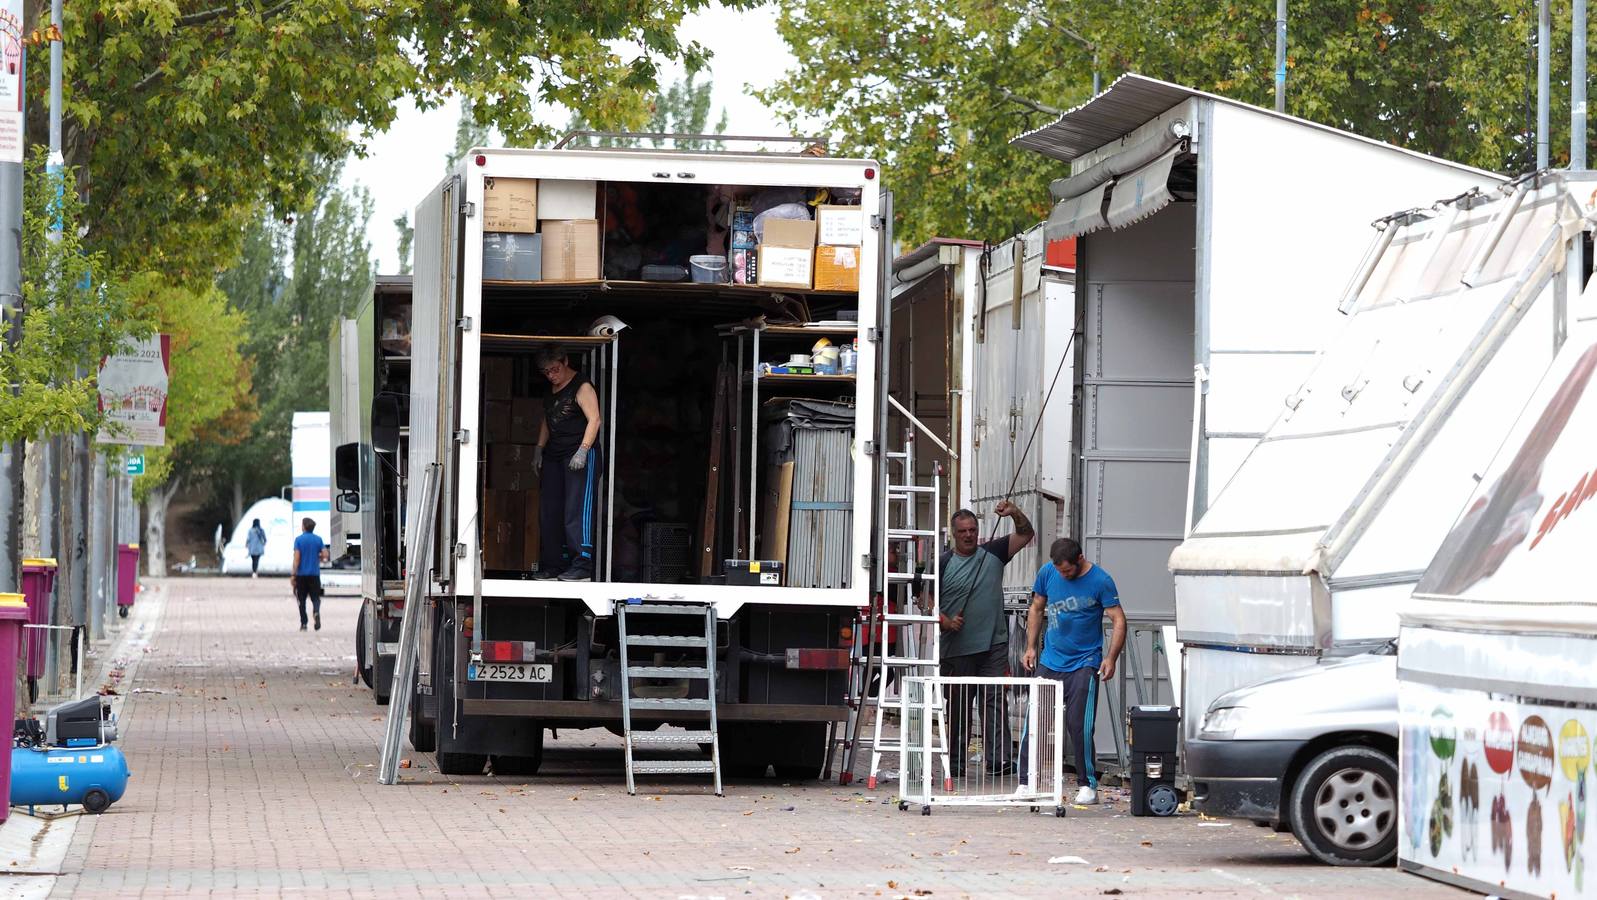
x: 1080, y: 687
x: 255, y: 564
x: 308, y: 586
x: 995, y: 724
x: 568, y: 509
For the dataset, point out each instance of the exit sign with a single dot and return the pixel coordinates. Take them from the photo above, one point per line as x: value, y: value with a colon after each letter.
x: 136, y: 465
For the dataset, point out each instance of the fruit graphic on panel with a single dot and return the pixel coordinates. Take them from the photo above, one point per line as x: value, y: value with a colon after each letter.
x: 1502, y: 830
x: 1497, y: 746
x: 1574, y: 756
x: 1444, y: 743
x: 1469, y: 808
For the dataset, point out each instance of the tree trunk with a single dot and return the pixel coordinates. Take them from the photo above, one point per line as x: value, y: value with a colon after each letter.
x: 155, y: 527
x: 238, y: 497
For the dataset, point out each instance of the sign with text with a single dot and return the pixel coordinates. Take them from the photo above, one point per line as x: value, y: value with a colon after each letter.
x: 133, y: 387
x: 11, y: 139
x: 136, y: 465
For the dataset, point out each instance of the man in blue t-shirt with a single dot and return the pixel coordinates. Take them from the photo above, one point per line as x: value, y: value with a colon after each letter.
x: 307, y: 578
x: 1074, y: 595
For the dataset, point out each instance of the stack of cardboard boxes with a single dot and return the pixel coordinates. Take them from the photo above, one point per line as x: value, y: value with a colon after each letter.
x: 821, y: 253
x: 511, y: 418
x: 540, y: 230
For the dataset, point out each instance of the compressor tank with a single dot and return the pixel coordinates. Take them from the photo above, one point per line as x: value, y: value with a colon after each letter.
x: 93, y: 776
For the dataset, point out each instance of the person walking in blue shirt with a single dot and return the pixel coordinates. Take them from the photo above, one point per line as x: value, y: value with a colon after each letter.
x: 1072, y: 595
x: 255, y: 543
x: 309, y: 551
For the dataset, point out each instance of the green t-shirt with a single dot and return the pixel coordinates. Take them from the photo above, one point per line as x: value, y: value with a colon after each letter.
x: 974, y: 585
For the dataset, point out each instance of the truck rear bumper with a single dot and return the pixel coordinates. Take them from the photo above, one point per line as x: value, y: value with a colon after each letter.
x: 601, y: 711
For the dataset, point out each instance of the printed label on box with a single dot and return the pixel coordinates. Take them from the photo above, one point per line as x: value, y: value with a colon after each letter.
x: 841, y: 226
x: 785, y: 265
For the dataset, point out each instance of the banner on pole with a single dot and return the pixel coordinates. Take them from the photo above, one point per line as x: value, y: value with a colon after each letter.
x: 133, y: 387
x: 11, y: 55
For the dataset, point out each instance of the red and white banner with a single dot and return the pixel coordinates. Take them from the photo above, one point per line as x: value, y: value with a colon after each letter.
x: 133, y: 385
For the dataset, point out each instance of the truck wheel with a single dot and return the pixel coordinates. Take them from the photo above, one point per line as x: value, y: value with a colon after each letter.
x: 423, y: 735
x: 361, y: 662
x: 462, y: 763
x: 96, y: 801
x: 1344, y: 807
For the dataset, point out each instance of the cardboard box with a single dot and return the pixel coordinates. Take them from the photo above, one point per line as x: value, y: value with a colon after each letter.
x: 571, y: 250
x: 504, y: 517
x: 840, y: 226
x: 496, y: 419
x: 787, y: 253
x: 523, y: 418
x: 560, y: 198
x: 510, y: 467
x: 837, y: 268
x: 498, y: 377
x: 510, y: 204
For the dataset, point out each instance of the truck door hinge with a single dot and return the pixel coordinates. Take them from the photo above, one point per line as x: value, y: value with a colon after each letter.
x: 463, y: 323
x: 877, y: 222
x: 870, y: 448
x: 463, y: 436
x: 460, y: 551
x: 468, y: 208
x: 873, y: 335
x: 866, y: 560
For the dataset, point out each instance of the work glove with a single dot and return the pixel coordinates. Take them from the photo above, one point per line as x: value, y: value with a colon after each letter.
x: 579, y: 460
x: 537, y: 460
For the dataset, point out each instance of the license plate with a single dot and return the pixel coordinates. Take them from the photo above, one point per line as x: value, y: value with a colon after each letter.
x: 534, y: 672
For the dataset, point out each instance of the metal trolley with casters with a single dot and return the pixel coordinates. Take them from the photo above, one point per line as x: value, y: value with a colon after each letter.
x: 1020, y: 726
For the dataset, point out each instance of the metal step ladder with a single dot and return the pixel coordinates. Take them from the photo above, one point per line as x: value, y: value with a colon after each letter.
x: 656, y: 611
x: 911, y: 556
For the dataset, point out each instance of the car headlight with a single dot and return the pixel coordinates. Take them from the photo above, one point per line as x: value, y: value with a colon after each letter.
x: 1222, y: 721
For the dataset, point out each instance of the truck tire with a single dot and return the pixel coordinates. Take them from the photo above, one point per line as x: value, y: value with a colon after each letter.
x: 361, y: 662
x: 1344, y: 807
x: 462, y: 763
x: 423, y: 735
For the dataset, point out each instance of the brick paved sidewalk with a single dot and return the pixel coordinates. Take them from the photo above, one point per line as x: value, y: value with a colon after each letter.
x: 254, y: 774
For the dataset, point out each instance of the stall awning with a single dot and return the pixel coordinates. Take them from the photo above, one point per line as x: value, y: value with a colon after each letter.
x: 1143, y: 192
x: 1078, y: 215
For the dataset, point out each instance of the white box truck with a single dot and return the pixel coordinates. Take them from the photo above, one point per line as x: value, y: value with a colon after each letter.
x: 1497, y: 694
x: 703, y: 485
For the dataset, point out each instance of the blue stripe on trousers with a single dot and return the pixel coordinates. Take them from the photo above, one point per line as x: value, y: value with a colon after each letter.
x: 1086, y: 728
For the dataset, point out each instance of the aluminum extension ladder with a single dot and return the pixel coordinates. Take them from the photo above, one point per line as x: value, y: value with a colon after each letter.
x: 656, y: 610
x: 918, y: 572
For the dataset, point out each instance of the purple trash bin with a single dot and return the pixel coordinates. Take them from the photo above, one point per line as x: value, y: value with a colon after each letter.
x: 38, y: 586
x: 127, y: 577
x: 13, y: 613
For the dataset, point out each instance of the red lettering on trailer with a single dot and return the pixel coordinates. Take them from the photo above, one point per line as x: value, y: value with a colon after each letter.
x: 1566, y: 503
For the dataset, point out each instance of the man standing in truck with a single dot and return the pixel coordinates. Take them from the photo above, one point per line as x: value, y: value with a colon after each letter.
x: 975, y: 638
x: 568, y: 485
x: 1074, y: 596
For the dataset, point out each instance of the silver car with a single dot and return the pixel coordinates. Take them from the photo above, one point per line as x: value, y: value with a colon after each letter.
x: 1313, y: 750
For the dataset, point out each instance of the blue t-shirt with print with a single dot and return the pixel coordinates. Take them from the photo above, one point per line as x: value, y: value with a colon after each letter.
x: 310, y: 553
x: 1073, y: 632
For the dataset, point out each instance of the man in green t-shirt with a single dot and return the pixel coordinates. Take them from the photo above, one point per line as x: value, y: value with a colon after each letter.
x: 975, y: 638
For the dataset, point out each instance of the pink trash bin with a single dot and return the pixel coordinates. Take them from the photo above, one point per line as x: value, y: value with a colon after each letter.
x: 127, y: 577
x: 13, y: 612
x: 38, y: 586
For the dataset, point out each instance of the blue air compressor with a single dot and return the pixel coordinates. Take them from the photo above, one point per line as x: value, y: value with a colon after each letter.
x: 70, y: 759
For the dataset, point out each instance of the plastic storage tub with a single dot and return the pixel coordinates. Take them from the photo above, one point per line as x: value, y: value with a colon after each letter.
x: 512, y: 257
x: 708, y: 269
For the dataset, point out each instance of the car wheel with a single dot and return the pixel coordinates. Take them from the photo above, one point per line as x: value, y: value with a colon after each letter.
x: 1344, y: 807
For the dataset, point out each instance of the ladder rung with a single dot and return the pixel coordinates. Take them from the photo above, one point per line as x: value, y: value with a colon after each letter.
x: 927, y: 577
x: 669, y: 703
x: 663, y: 609
x: 910, y: 617
x: 659, y: 738
x: 911, y: 489
x: 663, y: 640
x: 668, y: 671
x: 902, y: 534
x: 906, y: 661
x: 674, y: 767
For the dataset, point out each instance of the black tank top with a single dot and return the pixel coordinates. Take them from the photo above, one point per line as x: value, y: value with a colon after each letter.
x: 567, y: 423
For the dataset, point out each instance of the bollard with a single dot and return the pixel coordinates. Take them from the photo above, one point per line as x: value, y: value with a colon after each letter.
x: 38, y: 585
x: 13, y: 613
x: 127, y: 577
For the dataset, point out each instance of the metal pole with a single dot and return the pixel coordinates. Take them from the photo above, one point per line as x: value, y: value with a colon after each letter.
x: 1280, y: 56
x: 11, y: 311
x: 1544, y: 30
x: 418, y: 574
x: 1577, y: 89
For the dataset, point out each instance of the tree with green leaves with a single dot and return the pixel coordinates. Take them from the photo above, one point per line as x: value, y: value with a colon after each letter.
x: 936, y: 90
x: 189, y: 115
x: 682, y: 108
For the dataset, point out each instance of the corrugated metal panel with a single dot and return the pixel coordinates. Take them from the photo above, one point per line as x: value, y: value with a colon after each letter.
x: 820, y: 539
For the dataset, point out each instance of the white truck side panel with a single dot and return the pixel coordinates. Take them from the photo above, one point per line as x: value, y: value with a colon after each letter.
x: 428, y: 305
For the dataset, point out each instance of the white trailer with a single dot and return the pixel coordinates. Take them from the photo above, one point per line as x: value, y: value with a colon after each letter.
x: 782, y: 655
x: 1214, y: 239
x: 1496, y: 690
x: 1458, y: 309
